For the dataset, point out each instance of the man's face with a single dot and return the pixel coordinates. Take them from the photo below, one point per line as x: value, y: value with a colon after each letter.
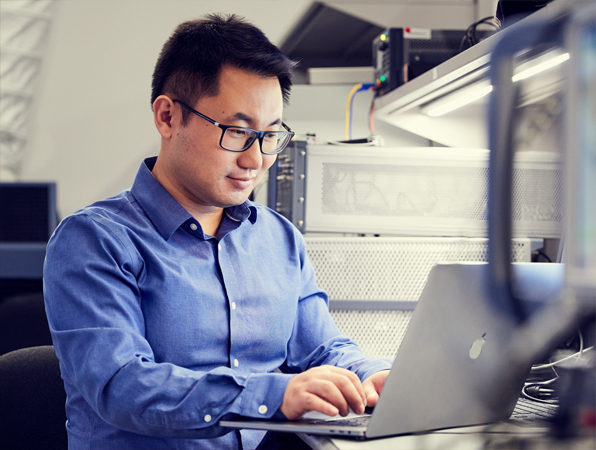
x: 206, y: 174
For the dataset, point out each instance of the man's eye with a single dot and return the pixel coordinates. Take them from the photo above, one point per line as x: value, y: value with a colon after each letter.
x: 270, y: 137
x: 237, y: 132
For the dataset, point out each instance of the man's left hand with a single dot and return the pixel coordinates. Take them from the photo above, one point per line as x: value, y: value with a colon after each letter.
x: 373, y: 386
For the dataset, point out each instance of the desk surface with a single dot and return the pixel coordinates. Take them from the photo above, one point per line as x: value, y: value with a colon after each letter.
x: 497, y: 436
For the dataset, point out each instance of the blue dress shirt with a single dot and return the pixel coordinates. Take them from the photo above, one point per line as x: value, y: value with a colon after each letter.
x: 161, y: 330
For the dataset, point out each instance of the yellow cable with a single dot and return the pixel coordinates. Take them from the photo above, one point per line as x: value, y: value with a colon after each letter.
x: 350, y: 95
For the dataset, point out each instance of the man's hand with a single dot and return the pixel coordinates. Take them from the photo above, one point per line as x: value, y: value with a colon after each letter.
x: 326, y: 389
x: 373, y: 386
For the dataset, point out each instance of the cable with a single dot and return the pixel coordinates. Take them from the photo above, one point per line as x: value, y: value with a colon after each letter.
x: 371, y: 120
x: 577, y: 355
x: 357, y: 88
x: 545, y: 256
x: 470, y: 34
x: 532, y: 391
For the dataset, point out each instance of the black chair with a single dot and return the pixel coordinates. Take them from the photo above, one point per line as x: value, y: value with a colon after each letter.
x: 23, y: 323
x: 32, y: 400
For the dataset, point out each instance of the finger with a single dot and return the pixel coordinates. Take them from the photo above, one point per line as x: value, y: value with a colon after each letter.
x: 329, y: 392
x: 352, y: 391
x: 313, y: 402
x: 371, y: 392
x: 373, y: 386
x: 372, y: 398
x: 294, y: 407
x: 353, y: 378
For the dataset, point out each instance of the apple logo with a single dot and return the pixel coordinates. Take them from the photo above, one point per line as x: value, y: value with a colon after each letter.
x: 476, y: 347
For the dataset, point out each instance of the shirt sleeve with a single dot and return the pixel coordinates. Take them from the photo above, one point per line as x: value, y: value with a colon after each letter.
x: 93, y: 302
x: 316, y: 340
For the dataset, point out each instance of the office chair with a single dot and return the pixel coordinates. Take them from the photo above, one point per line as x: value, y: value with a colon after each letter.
x: 23, y: 323
x: 32, y: 415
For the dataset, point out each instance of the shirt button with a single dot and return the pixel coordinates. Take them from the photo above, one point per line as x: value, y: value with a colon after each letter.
x: 207, y: 418
x: 233, y: 305
x: 219, y: 247
x: 262, y: 409
x: 193, y: 226
x: 236, y: 363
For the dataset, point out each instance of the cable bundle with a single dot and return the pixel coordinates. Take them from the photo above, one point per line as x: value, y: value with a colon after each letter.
x: 470, y: 39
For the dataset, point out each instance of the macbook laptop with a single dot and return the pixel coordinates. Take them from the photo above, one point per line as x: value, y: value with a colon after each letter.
x: 450, y: 366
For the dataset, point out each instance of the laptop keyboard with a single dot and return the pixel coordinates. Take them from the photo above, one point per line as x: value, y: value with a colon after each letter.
x: 531, y: 411
x: 344, y: 422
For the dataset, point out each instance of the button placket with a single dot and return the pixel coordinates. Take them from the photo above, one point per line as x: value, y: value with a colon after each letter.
x: 233, y: 306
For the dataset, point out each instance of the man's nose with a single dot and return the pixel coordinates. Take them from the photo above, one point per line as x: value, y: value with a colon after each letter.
x: 252, y: 158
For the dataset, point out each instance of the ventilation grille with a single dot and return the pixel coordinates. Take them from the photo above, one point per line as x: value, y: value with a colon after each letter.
x: 377, y: 333
x: 450, y: 46
x: 426, y: 192
x: 383, y: 268
x: 537, y: 195
x: 404, y: 191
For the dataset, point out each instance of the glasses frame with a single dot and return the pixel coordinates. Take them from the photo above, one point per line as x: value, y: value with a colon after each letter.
x: 260, y: 135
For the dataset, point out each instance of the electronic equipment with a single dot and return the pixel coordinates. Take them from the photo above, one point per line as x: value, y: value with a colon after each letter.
x: 402, y: 54
x: 287, y: 181
x: 425, y: 191
x: 28, y: 218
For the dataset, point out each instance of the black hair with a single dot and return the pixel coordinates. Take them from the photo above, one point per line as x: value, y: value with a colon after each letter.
x: 191, y: 60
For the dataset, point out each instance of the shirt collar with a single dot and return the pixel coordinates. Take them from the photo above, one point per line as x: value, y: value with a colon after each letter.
x: 164, y: 210
x: 240, y: 213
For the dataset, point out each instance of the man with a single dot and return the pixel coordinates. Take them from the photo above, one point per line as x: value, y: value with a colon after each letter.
x: 172, y: 304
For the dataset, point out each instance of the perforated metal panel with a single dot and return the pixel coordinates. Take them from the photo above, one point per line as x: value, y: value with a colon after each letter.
x: 377, y: 333
x: 426, y: 192
x: 366, y: 270
x: 391, y: 268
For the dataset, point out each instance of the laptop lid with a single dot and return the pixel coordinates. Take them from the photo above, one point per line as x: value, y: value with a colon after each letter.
x: 451, y: 357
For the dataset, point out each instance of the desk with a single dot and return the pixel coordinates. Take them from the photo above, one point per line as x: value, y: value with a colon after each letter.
x: 498, y: 436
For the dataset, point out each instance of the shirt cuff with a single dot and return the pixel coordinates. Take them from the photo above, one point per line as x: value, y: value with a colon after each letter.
x: 373, y: 366
x: 264, y: 394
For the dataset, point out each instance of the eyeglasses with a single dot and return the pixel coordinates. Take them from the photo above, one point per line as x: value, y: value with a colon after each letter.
x: 239, y: 139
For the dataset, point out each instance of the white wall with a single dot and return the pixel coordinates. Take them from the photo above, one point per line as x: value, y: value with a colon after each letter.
x: 93, y: 123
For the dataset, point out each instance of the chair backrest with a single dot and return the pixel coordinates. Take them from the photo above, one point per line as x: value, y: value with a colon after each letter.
x: 32, y: 399
x: 23, y: 323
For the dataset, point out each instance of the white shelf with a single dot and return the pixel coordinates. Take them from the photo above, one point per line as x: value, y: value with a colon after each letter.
x: 407, y: 106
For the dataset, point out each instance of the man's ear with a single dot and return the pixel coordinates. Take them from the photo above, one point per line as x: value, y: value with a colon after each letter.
x: 163, y: 115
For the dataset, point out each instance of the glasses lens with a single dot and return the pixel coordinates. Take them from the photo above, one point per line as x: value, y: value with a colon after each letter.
x: 275, y: 142
x: 240, y: 139
x: 237, y: 139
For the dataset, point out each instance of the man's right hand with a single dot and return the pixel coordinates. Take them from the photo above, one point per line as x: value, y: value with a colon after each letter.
x: 326, y: 389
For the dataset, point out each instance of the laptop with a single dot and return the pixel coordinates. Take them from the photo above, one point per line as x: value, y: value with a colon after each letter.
x: 450, y: 366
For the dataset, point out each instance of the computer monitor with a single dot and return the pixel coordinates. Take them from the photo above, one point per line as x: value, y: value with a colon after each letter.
x: 28, y: 217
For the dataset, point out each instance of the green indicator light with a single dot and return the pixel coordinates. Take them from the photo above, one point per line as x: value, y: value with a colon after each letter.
x: 383, y: 78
